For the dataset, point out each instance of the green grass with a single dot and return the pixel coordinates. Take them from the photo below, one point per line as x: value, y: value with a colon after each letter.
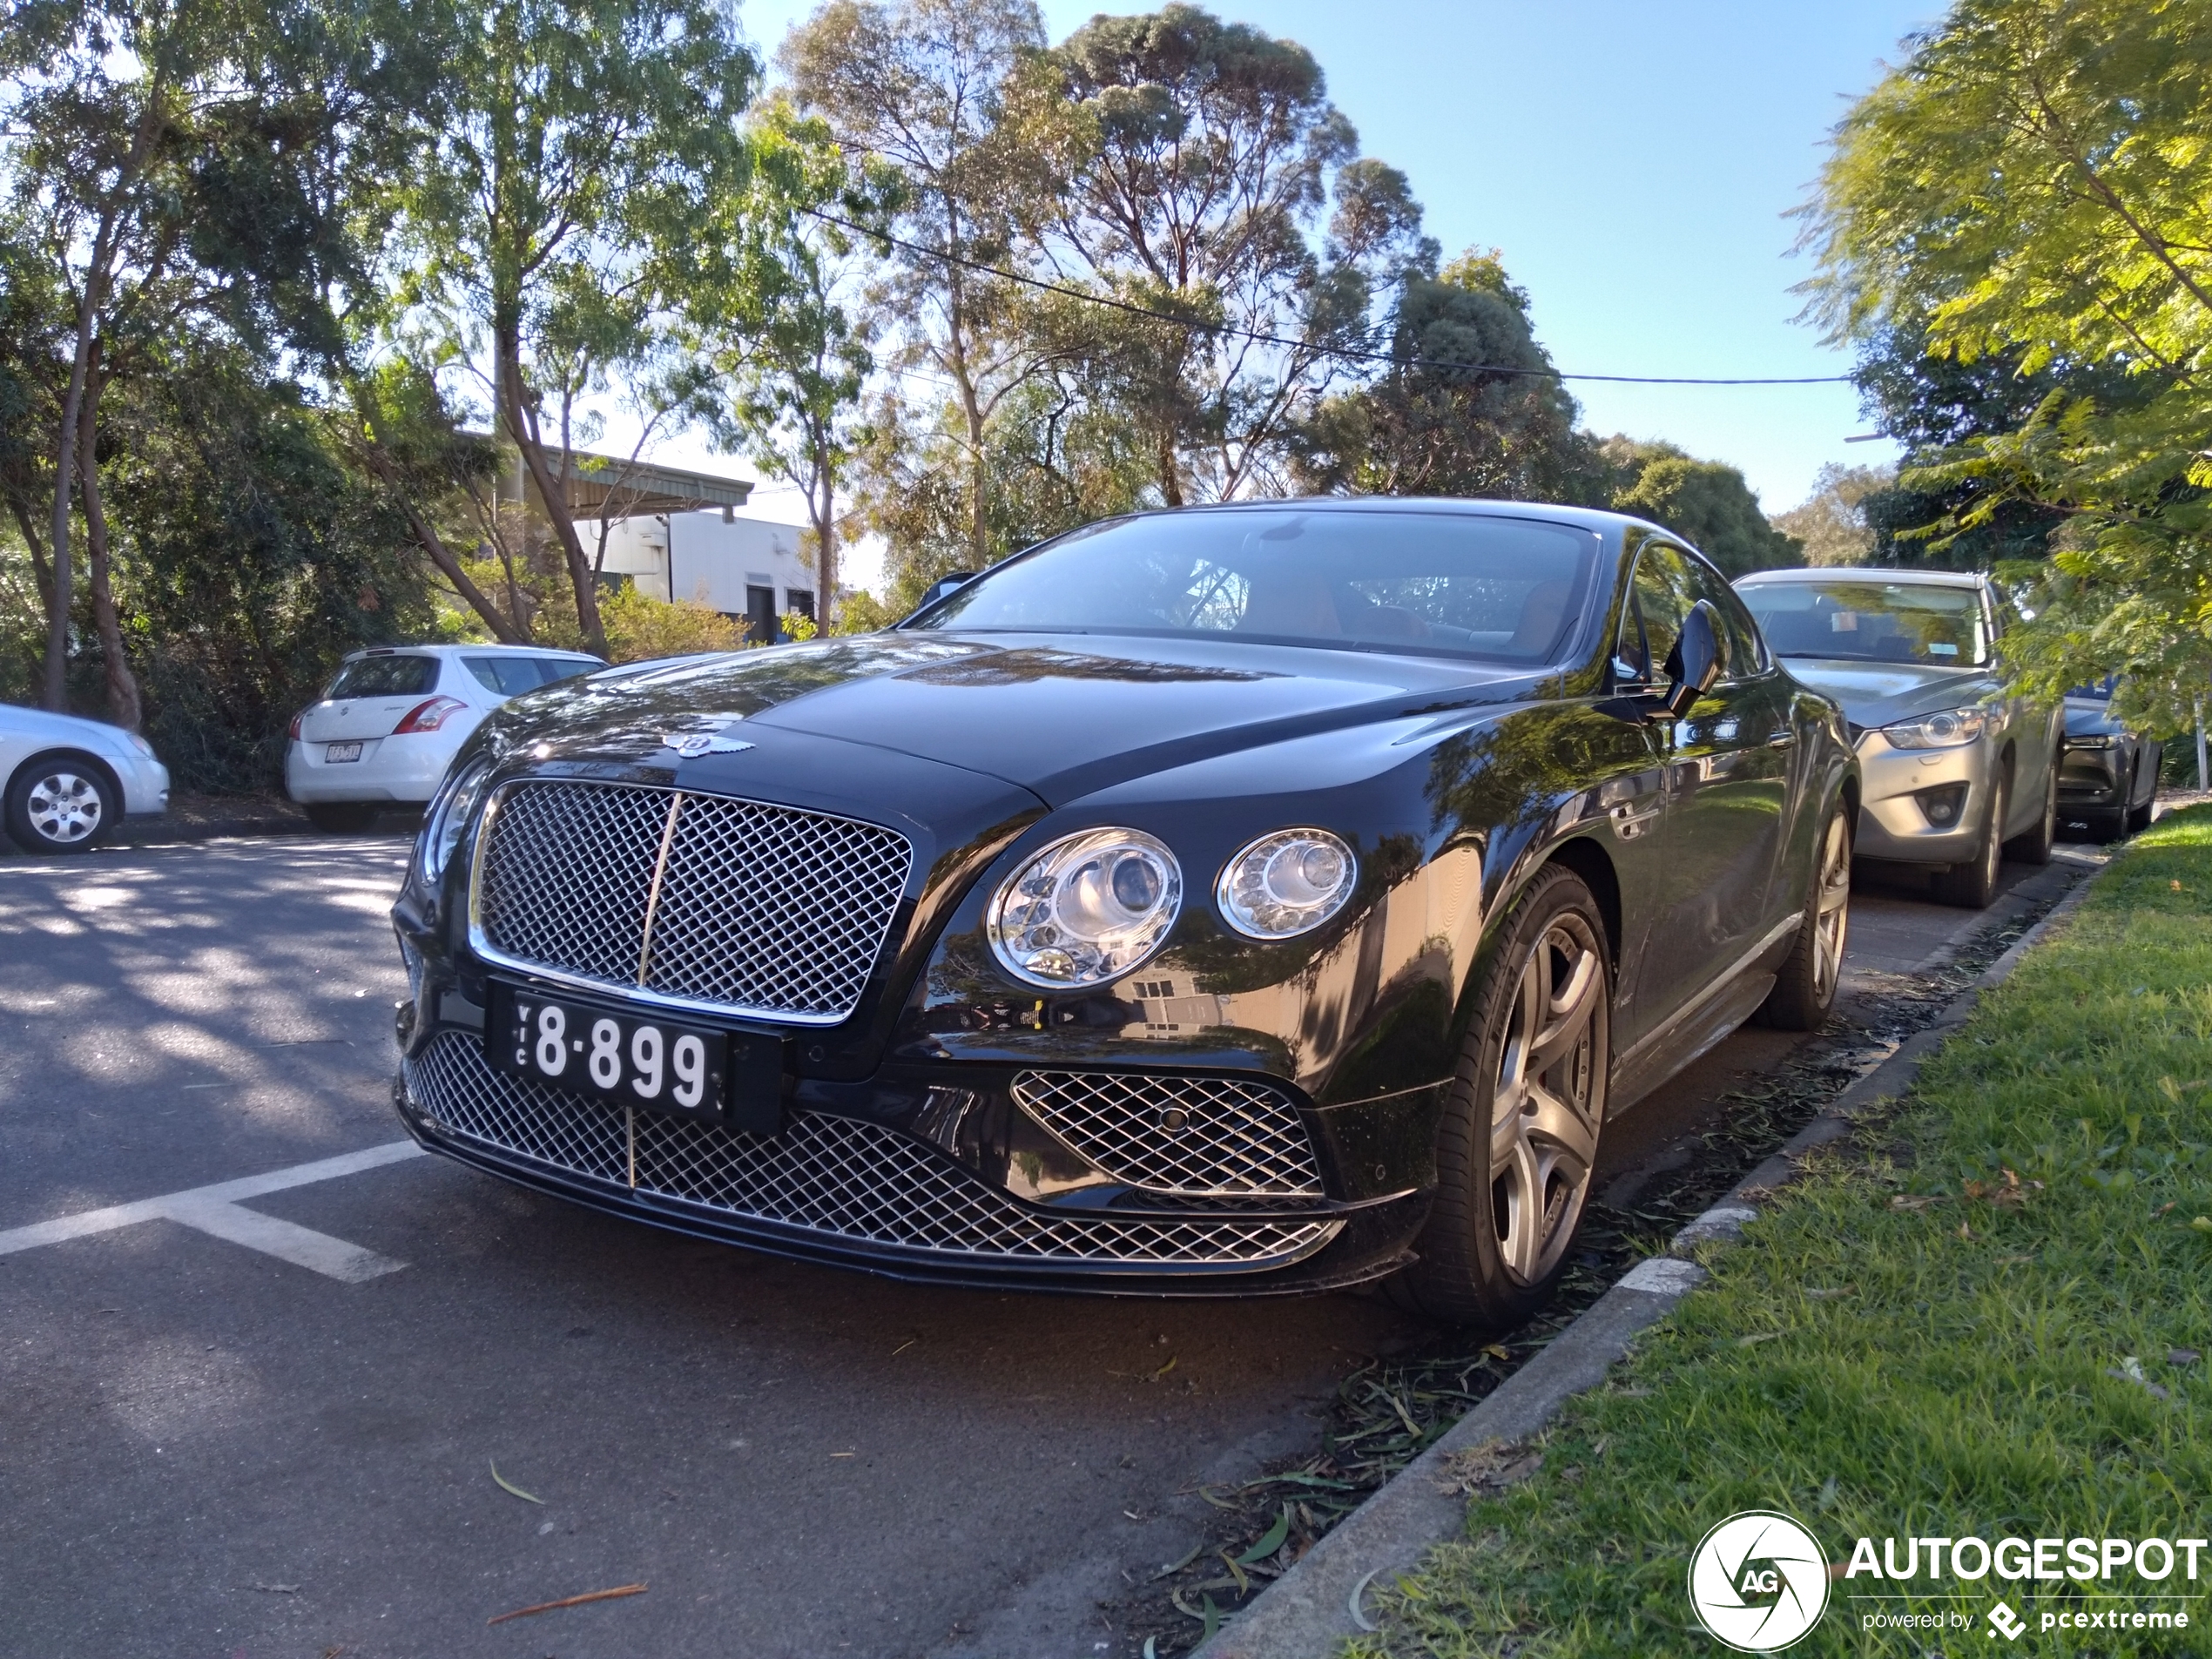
x: 1952, y: 1383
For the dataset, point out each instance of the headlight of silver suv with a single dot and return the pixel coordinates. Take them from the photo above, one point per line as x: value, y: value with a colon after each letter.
x: 1952, y: 729
x: 1086, y: 909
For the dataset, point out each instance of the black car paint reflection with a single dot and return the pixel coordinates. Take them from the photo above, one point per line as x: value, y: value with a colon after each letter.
x: 1454, y: 778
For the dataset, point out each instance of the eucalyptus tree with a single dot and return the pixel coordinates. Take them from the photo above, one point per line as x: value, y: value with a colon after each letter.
x: 778, y: 318
x: 1203, y: 161
x: 550, y: 218
x: 920, y: 86
x: 106, y: 105
x: 2034, y: 181
x: 1468, y: 404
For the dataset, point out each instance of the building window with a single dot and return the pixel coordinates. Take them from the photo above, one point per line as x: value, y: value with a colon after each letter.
x: 800, y: 602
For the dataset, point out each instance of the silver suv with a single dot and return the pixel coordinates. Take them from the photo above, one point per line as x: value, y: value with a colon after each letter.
x: 1957, y: 770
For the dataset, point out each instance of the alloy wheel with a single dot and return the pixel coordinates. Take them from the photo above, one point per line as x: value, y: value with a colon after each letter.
x: 64, y: 808
x: 1831, y: 914
x: 1543, y: 1117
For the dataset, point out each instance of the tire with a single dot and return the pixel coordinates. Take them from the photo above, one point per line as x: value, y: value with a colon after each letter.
x: 1973, y: 885
x: 2106, y: 825
x: 2033, y: 847
x: 62, y: 803
x: 1511, y: 1188
x: 2138, y: 819
x: 1805, y: 990
x: 343, y: 817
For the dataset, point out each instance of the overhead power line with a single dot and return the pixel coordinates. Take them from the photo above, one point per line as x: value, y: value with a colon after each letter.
x: 1348, y: 353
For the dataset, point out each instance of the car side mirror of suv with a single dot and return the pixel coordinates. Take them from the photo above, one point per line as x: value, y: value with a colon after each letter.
x: 1696, y: 660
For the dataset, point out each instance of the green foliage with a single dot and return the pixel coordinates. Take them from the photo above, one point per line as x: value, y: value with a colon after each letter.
x: 254, y: 558
x: 1423, y: 430
x: 1835, y: 523
x: 1706, y: 501
x: 1934, y: 1347
x: 2029, y: 186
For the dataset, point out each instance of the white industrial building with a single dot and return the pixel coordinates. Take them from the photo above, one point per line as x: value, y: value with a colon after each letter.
x: 677, y: 534
x: 745, y: 568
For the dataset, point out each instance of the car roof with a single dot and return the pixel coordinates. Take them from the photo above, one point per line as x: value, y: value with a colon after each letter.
x: 1590, y: 518
x: 471, y: 650
x: 1871, y: 573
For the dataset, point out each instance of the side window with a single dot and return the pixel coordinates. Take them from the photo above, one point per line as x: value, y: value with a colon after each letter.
x: 1659, y: 598
x: 552, y: 670
x: 1746, y: 654
x: 508, y: 675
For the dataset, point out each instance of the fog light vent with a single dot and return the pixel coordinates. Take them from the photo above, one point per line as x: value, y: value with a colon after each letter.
x: 1942, y: 807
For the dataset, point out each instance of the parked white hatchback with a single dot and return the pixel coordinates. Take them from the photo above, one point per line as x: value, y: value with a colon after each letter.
x: 67, y: 781
x: 394, y: 716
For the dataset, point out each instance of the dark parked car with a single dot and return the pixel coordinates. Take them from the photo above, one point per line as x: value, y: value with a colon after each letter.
x: 1251, y: 899
x: 2107, y: 775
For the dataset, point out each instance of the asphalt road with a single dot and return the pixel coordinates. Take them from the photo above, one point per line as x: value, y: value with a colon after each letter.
x: 264, y: 1422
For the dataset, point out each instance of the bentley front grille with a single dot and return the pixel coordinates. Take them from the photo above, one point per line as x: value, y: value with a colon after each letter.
x: 709, y: 899
x: 1212, y: 1137
x: 833, y: 1176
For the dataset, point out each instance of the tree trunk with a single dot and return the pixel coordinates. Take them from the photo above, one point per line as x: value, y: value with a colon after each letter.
x: 20, y: 510
x: 823, y: 501
x: 56, y: 696
x: 123, y: 707
x: 522, y: 427
x: 439, y: 555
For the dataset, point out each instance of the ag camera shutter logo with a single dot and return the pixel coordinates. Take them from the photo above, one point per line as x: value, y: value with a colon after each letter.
x: 1759, y: 1581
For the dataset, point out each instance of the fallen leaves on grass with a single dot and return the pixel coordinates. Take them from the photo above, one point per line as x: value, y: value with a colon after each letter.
x: 2131, y: 1370
x: 1491, y: 1466
x: 505, y: 1485
x: 570, y: 1600
x: 2009, y: 1193
x: 1917, y: 1200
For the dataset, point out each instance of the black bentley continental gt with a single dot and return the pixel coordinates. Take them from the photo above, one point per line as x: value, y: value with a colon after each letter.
x: 1254, y: 898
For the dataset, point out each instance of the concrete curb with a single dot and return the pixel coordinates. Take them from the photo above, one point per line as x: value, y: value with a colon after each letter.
x: 1309, y: 1611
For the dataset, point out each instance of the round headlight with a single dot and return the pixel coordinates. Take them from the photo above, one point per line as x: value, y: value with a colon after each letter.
x: 448, y: 819
x: 1086, y: 909
x: 1286, y: 884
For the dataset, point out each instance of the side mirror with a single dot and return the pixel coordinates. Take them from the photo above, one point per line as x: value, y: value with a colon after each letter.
x: 1696, y: 660
x: 943, y: 585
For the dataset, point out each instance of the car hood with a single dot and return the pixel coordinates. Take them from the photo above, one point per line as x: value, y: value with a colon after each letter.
x: 1059, y: 715
x: 2085, y: 718
x: 1878, y: 693
x: 42, y: 727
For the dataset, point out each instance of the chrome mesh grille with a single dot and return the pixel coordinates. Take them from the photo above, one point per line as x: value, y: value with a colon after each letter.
x: 758, y: 909
x: 835, y: 1175
x: 1196, y: 1136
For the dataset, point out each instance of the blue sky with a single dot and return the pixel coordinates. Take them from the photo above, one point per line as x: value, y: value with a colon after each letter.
x: 1634, y: 162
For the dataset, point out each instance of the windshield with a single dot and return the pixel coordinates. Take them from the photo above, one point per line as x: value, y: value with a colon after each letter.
x: 384, y: 676
x: 1453, y: 584
x: 1871, y: 621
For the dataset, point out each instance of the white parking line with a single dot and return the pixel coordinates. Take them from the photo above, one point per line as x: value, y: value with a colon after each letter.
x: 215, y: 1209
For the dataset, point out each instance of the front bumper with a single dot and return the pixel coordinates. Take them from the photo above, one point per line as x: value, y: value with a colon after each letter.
x: 842, y: 1185
x: 145, y: 785
x: 2092, y: 779
x: 1923, y: 806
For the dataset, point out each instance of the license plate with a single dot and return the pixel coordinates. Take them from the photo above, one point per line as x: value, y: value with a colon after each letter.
x: 334, y: 752
x: 651, y: 1063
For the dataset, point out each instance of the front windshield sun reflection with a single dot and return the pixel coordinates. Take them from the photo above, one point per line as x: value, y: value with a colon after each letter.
x: 1872, y: 622
x: 1425, y: 582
